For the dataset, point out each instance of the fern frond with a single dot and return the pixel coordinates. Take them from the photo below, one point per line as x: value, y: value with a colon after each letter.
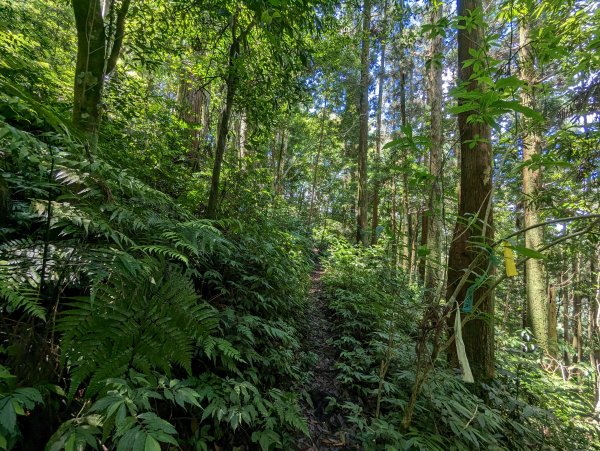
x: 144, y: 321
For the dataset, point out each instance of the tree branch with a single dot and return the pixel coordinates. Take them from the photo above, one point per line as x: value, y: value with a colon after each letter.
x: 119, y: 33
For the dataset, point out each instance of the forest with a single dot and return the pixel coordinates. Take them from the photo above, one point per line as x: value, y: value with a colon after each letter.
x: 299, y: 224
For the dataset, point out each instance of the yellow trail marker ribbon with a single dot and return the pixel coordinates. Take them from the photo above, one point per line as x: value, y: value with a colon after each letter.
x: 509, y: 260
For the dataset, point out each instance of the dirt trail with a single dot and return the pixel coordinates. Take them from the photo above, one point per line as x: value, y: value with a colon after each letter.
x: 326, y: 428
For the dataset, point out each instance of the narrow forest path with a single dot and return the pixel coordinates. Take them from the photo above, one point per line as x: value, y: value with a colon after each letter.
x: 326, y: 428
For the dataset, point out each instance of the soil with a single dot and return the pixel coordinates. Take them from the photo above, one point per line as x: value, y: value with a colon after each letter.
x: 328, y: 430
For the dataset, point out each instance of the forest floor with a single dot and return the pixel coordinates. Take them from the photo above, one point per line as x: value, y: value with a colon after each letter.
x: 327, y: 428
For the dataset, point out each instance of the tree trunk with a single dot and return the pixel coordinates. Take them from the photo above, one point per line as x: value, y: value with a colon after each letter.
x: 97, y: 54
x: 577, y: 320
x: 231, y: 86
x: 194, y: 102
x: 363, y: 139
x: 552, y: 320
x: 280, y: 162
x: 394, y: 214
x: 406, y: 218
x: 89, y: 68
x: 313, y: 190
x: 594, y: 326
x: 242, y: 139
x: 565, y: 297
x: 378, y: 138
x: 475, y: 201
x: 213, y: 199
x: 535, y: 271
x: 5, y: 208
x: 433, y: 269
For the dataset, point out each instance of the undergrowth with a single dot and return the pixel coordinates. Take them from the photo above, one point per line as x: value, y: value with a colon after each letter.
x: 129, y: 323
x: 126, y: 322
x: 376, y: 313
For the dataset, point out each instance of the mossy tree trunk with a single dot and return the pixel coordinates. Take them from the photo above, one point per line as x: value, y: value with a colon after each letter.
x: 98, y: 48
x: 538, y: 306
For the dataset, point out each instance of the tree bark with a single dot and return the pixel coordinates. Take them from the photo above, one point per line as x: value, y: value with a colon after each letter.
x: 97, y: 54
x: 394, y: 215
x: 194, y: 102
x: 594, y: 326
x: 577, y: 320
x: 433, y: 269
x: 213, y: 198
x: 535, y: 271
x: 280, y: 161
x: 566, y: 298
x: 89, y: 68
x: 363, y: 139
x: 406, y: 218
x: 552, y: 321
x: 475, y: 200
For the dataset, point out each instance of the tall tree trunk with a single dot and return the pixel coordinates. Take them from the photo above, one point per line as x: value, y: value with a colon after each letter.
x: 433, y: 270
x: 406, y: 218
x: 242, y: 139
x: 566, y: 301
x: 213, y: 199
x: 552, y: 320
x: 594, y: 325
x: 414, y: 236
x: 535, y: 271
x: 424, y: 220
x: 394, y: 215
x: 231, y: 86
x: 97, y: 52
x: 378, y: 138
x: 5, y: 209
x: 313, y: 189
x: 577, y: 313
x: 363, y: 139
x: 282, y: 150
x: 475, y: 201
x: 194, y: 102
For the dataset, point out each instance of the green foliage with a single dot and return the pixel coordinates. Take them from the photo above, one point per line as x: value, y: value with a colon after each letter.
x: 126, y: 415
x: 132, y: 286
x: 232, y: 405
x: 145, y: 320
x: 166, y: 330
x: 14, y: 401
x: 375, y: 317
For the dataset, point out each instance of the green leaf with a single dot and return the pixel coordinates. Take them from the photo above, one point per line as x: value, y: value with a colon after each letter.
x: 8, y: 416
x: 151, y: 444
x: 526, y: 252
x: 516, y: 106
x: 395, y: 143
x: 508, y: 82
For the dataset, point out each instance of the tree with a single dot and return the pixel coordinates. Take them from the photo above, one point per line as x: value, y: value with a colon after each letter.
x: 433, y: 232
x: 535, y: 273
x: 474, y: 228
x: 379, y: 131
x: 238, y: 35
x: 100, y: 32
x: 362, y: 233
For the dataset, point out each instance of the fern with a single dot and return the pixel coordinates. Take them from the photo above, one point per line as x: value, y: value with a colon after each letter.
x: 138, y: 321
